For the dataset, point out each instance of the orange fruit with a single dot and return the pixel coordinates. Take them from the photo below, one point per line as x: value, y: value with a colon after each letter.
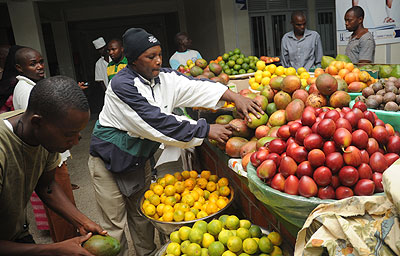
x: 221, y: 203
x: 154, y: 199
x: 205, y: 174
x: 223, y: 182
x: 170, y: 190
x: 349, y: 66
x: 211, y: 186
x: 193, y: 174
x: 202, y: 183
x: 150, y: 210
x: 211, y: 208
x: 148, y: 193
x: 185, y: 175
x: 194, y: 194
x: 356, y: 70
x: 168, y: 208
x: 213, y: 178
x: 169, y: 179
x: 178, y: 176
x: 199, y: 191
x: 190, y: 183
x: 179, y: 186
x: 333, y: 70
x: 152, y: 185
x: 275, y: 238
x: 177, y: 197
x: 224, y: 191
x: 179, y: 215
x: 339, y: 65
x: 162, y: 182
x: 171, y: 200
x: 168, y: 216
x: 318, y: 71
x: 188, y: 199
x: 158, y: 189
x: 160, y: 209
x: 343, y: 72
x: 351, y: 77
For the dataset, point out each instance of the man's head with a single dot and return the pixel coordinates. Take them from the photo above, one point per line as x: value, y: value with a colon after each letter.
x: 30, y: 63
x: 143, y: 52
x: 299, y: 22
x: 354, y: 18
x: 115, y: 50
x: 57, y: 112
x: 182, y: 40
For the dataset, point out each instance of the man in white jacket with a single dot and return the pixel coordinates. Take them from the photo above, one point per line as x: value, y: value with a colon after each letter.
x: 136, y: 118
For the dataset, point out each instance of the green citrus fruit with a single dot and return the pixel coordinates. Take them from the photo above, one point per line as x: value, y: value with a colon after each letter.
x: 255, y: 231
x: 250, y: 246
x: 232, y: 222
x: 234, y: 244
x: 265, y: 245
x: 216, y: 249
x: 214, y: 227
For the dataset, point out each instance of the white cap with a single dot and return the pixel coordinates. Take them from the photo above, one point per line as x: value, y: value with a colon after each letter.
x: 99, y: 43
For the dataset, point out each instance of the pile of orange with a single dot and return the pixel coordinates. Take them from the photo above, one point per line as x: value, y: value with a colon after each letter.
x: 353, y: 76
x: 186, y: 196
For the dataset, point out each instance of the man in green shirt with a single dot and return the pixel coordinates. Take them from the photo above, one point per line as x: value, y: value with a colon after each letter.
x: 29, y: 154
x: 119, y: 61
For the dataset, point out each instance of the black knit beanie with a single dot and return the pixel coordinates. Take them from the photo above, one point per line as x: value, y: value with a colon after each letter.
x: 136, y: 41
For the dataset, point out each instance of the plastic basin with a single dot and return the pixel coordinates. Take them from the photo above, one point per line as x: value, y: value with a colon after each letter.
x: 353, y: 95
x: 390, y: 117
x: 168, y: 227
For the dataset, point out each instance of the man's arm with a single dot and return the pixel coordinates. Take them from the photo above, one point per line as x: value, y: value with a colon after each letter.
x: 284, y: 53
x: 67, y: 247
x: 367, y: 50
x: 54, y: 197
x: 318, y: 51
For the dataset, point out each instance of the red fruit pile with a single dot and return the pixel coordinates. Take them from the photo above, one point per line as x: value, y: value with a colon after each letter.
x: 329, y: 153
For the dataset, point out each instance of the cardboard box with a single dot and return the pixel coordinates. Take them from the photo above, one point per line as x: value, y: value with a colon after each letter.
x: 240, y: 84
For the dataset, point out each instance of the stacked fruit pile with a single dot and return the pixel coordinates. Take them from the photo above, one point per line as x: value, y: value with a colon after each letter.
x: 384, y: 95
x: 329, y: 153
x: 185, y: 196
x: 235, y: 62
x: 201, y: 69
x: 227, y: 236
x: 265, y: 73
x: 349, y: 76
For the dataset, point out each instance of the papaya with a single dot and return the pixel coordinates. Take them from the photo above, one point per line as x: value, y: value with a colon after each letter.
x: 396, y: 71
x: 326, y: 60
x: 102, y: 245
x: 342, y: 57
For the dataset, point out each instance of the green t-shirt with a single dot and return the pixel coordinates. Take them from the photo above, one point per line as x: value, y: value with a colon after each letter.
x: 21, y: 166
x: 113, y: 68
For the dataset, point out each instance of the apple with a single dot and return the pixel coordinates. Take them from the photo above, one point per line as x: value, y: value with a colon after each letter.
x: 343, y: 192
x: 364, y: 187
x: 322, y: 176
x: 278, y: 182
x: 291, y: 185
x: 307, y: 187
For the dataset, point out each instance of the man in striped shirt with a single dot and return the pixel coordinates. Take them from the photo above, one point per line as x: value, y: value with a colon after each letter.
x: 119, y: 61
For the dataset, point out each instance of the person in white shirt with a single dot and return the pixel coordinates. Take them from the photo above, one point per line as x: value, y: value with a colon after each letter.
x: 30, y: 65
x: 183, y: 53
x: 100, y: 71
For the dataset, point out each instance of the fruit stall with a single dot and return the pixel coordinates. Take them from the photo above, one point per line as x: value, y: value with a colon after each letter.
x: 326, y: 135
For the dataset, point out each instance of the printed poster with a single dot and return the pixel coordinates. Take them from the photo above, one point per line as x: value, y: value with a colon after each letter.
x: 382, y: 18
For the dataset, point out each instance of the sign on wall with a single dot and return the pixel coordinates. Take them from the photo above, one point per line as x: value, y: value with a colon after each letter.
x: 382, y: 18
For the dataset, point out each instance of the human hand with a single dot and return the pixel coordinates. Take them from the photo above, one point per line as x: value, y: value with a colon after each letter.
x: 72, y: 246
x: 220, y: 132
x: 82, y: 85
x: 244, y: 106
x: 91, y: 226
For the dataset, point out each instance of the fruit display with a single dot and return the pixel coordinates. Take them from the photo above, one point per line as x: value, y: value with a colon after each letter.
x: 269, y: 60
x: 235, y: 62
x: 201, y: 69
x: 385, y: 71
x: 227, y: 236
x: 102, y: 245
x: 382, y: 95
x: 265, y: 73
x: 329, y: 153
x: 186, y: 196
x: 350, y: 78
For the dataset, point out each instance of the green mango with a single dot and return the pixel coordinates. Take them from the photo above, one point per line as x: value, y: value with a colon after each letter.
x: 326, y: 60
x: 342, y: 57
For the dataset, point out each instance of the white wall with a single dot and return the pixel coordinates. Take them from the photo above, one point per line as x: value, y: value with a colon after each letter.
x: 235, y: 27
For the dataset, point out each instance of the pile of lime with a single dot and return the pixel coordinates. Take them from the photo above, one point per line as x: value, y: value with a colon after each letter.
x: 226, y: 236
x: 235, y: 63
